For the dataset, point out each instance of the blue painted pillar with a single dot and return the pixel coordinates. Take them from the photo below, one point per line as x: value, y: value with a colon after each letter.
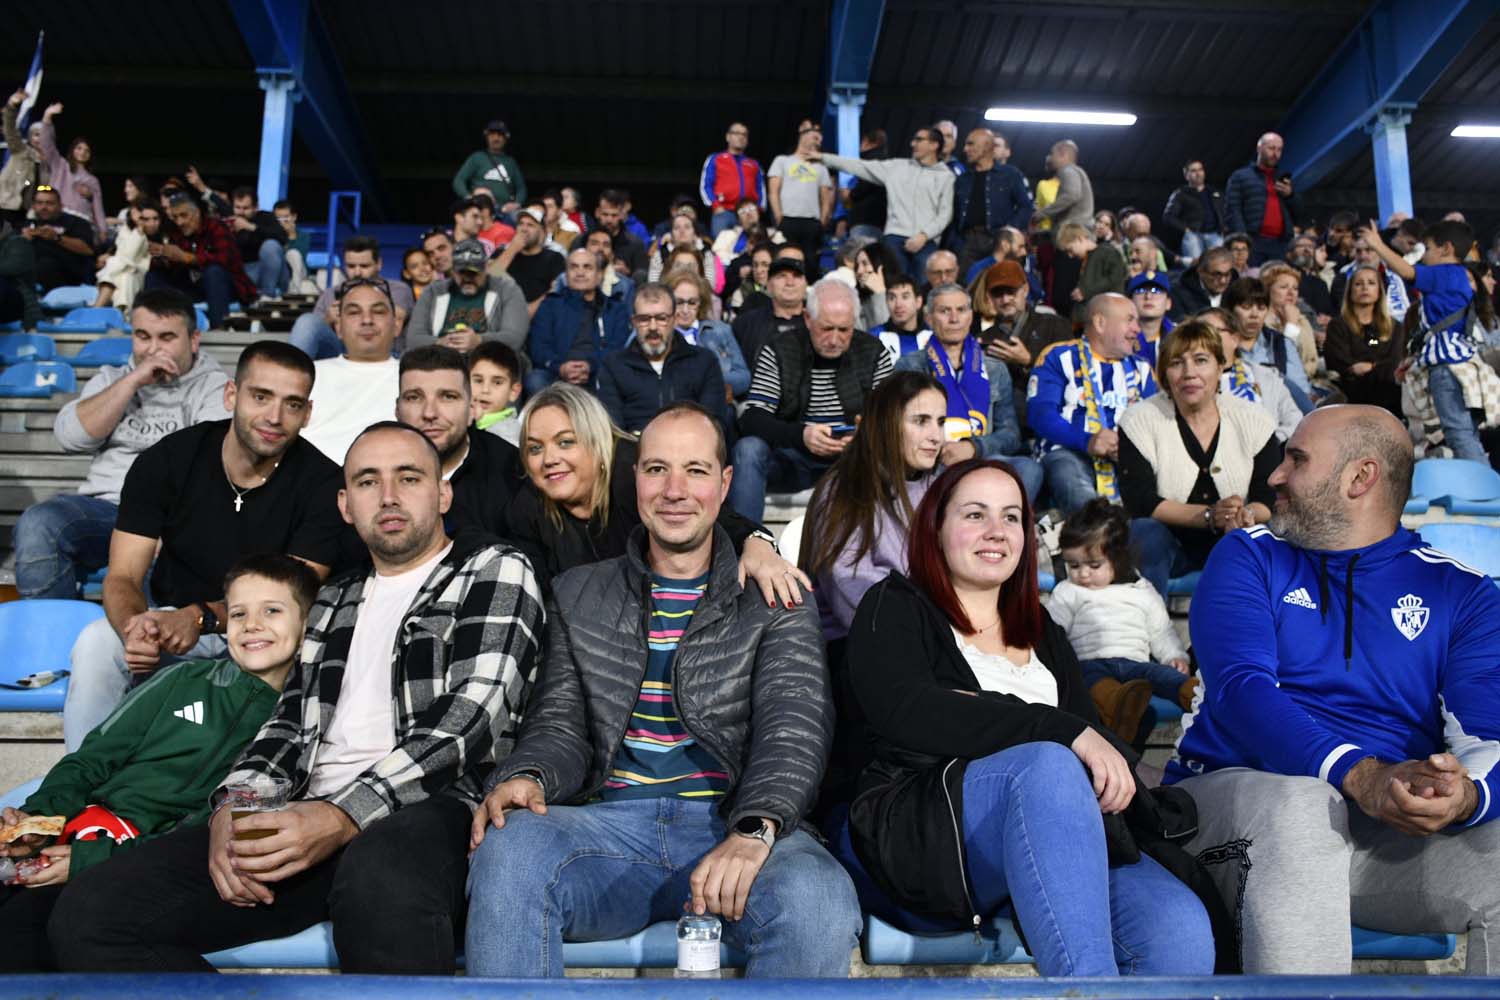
x: 849, y: 103
x: 1392, y: 173
x: 275, y: 136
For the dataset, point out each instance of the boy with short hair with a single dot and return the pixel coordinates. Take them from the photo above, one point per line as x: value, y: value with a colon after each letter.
x: 1447, y: 353
x: 151, y: 766
x: 1102, y: 271
x: 495, y: 381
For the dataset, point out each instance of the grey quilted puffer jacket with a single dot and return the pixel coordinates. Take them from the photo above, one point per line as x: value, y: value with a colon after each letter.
x: 750, y: 684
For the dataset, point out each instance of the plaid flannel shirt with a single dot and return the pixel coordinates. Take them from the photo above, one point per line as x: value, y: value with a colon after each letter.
x: 213, y: 243
x: 464, y: 662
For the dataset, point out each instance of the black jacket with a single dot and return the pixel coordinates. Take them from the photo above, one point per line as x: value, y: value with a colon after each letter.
x: 484, y: 486
x: 907, y: 674
x: 853, y: 380
x: 555, y: 547
x: 266, y: 228
x: 1245, y: 204
x: 754, y: 328
x: 750, y: 685
x: 633, y: 392
x: 1184, y: 211
x: 1188, y: 294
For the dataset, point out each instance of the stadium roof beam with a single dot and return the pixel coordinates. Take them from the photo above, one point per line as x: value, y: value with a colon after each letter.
x: 1391, y: 59
x: 288, y: 37
x: 853, y: 31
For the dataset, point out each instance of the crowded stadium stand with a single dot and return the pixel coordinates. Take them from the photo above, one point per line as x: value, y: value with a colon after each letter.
x: 1146, y: 269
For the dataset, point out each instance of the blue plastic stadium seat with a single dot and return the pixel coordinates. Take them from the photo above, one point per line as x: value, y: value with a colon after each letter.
x: 999, y: 944
x: 65, y: 297
x: 37, y: 379
x: 1045, y: 581
x: 10, y: 326
x: 653, y: 948
x: 87, y: 319
x: 18, y: 347
x: 1458, y: 485
x: 104, y: 351
x: 1413, y: 947
x: 1476, y: 545
x: 202, y: 314
x: 1183, y: 586
x: 38, y: 635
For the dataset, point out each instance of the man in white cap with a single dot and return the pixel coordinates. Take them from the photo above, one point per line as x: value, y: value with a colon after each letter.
x: 528, y: 259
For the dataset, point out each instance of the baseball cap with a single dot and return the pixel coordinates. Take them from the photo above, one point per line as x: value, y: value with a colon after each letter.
x: 469, y: 255
x: 1006, y: 274
x: 1148, y: 279
x: 496, y: 125
x: 788, y: 264
x: 536, y: 214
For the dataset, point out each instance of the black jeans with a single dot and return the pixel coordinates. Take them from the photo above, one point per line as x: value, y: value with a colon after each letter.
x: 395, y: 895
x: 23, y: 928
x: 807, y: 234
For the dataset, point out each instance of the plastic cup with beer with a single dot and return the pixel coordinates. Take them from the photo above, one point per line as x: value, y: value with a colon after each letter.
x: 262, y: 793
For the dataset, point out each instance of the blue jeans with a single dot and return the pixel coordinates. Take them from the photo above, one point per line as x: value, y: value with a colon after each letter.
x: 1459, y: 432
x: 1033, y: 835
x: 1159, y: 555
x: 1070, y: 478
x: 312, y: 335
x: 609, y: 869
x: 1030, y: 471
x: 864, y: 231
x: 213, y: 286
x: 1194, y: 243
x: 100, y: 678
x: 270, y: 270
x: 720, y: 221
x: 759, y: 467
x: 60, y: 541
x: 1166, y: 682
x: 915, y: 263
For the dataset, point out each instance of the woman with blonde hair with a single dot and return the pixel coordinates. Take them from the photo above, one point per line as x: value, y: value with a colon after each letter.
x: 1364, y: 347
x: 579, y: 505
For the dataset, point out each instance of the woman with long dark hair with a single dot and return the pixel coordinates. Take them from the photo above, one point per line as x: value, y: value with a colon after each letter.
x: 988, y: 778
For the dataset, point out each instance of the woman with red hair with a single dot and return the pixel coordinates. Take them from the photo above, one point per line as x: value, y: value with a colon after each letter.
x: 989, y: 779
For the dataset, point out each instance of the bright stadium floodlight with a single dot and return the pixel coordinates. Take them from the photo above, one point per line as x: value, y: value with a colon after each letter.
x: 1059, y: 116
x: 1476, y: 132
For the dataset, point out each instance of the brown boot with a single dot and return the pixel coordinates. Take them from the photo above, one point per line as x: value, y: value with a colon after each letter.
x: 1186, y: 693
x: 1121, y: 706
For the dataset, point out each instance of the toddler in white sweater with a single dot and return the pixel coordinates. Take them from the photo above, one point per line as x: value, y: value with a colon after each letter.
x: 1116, y: 621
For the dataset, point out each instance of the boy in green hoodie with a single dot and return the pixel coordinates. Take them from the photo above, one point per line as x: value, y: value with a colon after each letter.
x: 151, y: 766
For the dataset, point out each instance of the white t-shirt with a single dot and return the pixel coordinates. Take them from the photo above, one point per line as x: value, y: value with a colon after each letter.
x: 363, y: 727
x: 347, y: 397
x: 1032, y: 683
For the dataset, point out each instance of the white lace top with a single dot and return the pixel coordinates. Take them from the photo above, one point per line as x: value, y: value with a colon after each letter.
x: 1032, y: 683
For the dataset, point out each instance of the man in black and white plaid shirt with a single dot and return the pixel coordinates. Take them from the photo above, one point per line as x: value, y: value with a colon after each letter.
x: 411, y: 682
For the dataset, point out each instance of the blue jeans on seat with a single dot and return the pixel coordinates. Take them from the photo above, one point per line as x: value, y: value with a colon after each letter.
x: 1159, y: 555
x: 1166, y: 682
x: 60, y: 541
x: 1194, y: 243
x: 1033, y: 835
x: 1070, y: 478
x: 268, y: 269
x: 609, y: 869
x: 759, y: 467
x: 1459, y: 425
x: 312, y: 335
x: 1031, y: 473
x: 720, y: 221
x: 213, y: 285
x: 100, y: 678
x: 915, y: 263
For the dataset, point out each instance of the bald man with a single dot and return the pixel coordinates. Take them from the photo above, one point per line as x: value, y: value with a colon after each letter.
x: 1342, y: 749
x: 1075, y: 194
x: 987, y: 197
x: 1258, y: 200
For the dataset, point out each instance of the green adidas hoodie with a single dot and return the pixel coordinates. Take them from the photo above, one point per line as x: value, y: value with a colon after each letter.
x: 155, y: 760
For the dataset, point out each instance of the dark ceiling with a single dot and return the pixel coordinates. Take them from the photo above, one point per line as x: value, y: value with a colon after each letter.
x: 636, y: 92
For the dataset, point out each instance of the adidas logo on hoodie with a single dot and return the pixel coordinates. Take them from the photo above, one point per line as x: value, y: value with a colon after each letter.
x: 1301, y: 598
x: 192, y: 713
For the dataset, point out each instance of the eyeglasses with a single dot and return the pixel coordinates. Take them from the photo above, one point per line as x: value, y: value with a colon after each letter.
x: 810, y: 128
x: 652, y: 319
x: 1218, y: 274
x: 686, y: 302
x: 379, y: 284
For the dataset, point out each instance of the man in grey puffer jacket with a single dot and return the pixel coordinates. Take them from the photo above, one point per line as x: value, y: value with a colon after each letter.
x: 677, y: 736
x: 166, y: 386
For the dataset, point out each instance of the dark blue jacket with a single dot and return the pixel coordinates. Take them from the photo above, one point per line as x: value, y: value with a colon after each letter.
x: 1010, y: 202
x: 633, y: 392
x: 564, y: 320
x: 1245, y: 203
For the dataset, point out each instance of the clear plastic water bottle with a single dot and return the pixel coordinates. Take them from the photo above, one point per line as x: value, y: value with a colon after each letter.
x: 698, y: 946
x: 7, y: 870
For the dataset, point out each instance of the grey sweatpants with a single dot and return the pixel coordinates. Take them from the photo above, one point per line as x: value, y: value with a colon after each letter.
x: 1297, y: 863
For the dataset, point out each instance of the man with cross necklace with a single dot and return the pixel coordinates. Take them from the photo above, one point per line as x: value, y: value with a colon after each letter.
x: 193, y: 504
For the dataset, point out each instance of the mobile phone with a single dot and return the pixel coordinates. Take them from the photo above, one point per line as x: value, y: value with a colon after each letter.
x: 841, y: 430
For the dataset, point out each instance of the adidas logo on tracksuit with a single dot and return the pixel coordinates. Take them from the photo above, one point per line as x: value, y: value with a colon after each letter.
x: 192, y: 713
x: 1301, y: 598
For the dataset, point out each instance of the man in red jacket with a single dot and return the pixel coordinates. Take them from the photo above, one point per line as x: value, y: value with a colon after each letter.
x: 729, y: 177
x: 202, y: 259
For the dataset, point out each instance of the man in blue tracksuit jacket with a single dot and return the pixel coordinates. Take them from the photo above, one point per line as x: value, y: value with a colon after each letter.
x: 1342, y: 749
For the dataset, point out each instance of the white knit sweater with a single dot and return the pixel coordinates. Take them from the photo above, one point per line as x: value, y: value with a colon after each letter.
x: 1126, y: 620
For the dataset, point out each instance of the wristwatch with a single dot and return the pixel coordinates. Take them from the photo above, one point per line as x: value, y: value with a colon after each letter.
x: 208, y: 622
x: 758, y: 828
x: 1208, y: 518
